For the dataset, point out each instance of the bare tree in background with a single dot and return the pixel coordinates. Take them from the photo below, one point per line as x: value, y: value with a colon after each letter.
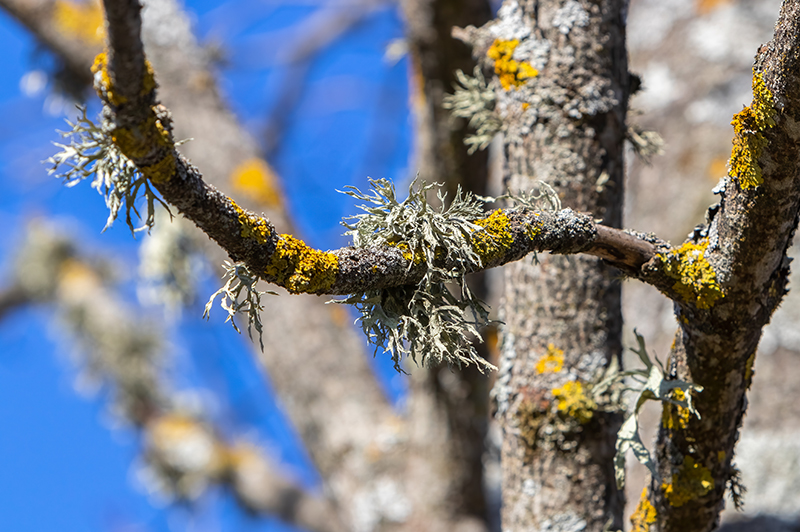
x: 558, y: 93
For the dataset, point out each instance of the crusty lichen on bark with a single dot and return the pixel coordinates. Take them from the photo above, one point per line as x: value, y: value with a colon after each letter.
x: 749, y: 142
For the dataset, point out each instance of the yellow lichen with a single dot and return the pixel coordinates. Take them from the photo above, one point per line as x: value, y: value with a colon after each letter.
x: 510, y: 72
x: 721, y: 456
x: 645, y: 514
x: 300, y: 268
x: 255, y: 178
x: 675, y: 416
x: 748, y: 371
x: 692, y: 480
x: 552, y: 361
x: 695, y: 279
x: 749, y: 142
x: 100, y: 65
x: 493, y: 242
x: 574, y: 402
x: 150, y: 140
x: 253, y: 226
x: 81, y: 20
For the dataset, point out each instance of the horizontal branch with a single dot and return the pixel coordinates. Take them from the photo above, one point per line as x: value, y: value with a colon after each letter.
x: 140, y: 128
x: 141, y: 132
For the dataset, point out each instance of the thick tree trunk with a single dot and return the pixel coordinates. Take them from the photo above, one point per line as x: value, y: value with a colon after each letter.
x: 565, y: 127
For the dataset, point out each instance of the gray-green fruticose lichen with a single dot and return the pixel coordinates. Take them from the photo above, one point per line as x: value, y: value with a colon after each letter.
x: 427, y: 321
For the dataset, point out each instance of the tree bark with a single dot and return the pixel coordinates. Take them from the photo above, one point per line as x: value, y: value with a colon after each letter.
x: 566, y: 127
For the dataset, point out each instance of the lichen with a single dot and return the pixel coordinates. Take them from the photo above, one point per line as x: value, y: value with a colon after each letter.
x: 748, y: 371
x: 573, y: 401
x: 255, y: 178
x: 81, y: 20
x: 300, y: 268
x: 143, y: 141
x: 692, y: 480
x: 749, y: 142
x: 253, y: 226
x: 675, y: 416
x: 695, y: 279
x: 645, y: 514
x: 510, y: 72
x: 495, y: 240
x: 552, y: 361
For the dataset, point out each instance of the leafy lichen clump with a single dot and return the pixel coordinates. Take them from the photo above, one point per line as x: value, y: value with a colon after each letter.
x: 645, y: 514
x: 239, y: 295
x: 510, y: 72
x: 692, y: 480
x: 574, y: 402
x: 652, y: 384
x: 91, y: 151
x: 475, y: 100
x: 428, y: 322
x: 300, y: 268
x: 749, y: 142
x: 695, y: 279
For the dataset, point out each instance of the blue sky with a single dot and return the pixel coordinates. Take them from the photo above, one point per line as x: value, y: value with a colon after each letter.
x: 63, y: 466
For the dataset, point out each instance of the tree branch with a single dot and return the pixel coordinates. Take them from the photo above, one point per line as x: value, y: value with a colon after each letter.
x: 742, y: 253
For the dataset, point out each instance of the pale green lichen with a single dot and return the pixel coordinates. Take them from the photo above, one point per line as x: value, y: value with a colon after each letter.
x: 239, y: 295
x: 428, y: 322
x: 645, y: 514
x: 300, y: 268
x: 692, y: 481
x: 475, y: 100
x: 749, y: 142
x: 92, y: 151
x: 695, y: 279
x: 651, y: 384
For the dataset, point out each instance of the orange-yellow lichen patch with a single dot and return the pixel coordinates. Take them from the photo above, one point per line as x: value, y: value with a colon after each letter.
x: 552, y: 361
x: 692, y: 480
x: 573, y: 401
x: 100, y: 66
x: 645, y: 514
x: 749, y: 142
x: 675, y: 416
x: 255, y: 178
x: 300, y: 268
x: 81, y: 20
x: 494, y: 240
x: 706, y: 6
x: 695, y: 279
x: 253, y: 226
x: 511, y: 73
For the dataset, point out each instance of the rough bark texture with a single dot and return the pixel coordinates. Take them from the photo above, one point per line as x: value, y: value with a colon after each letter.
x: 747, y: 243
x: 565, y: 127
